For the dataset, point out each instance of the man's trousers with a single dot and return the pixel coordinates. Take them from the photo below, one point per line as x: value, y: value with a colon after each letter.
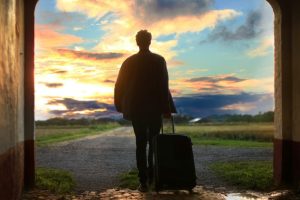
x: 145, y: 130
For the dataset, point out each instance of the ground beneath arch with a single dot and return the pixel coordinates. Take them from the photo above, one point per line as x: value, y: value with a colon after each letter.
x: 96, y: 161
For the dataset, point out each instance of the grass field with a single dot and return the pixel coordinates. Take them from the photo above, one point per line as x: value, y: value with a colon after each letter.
x: 47, y: 135
x: 257, y: 175
x: 239, y: 135
x: 234, y: 135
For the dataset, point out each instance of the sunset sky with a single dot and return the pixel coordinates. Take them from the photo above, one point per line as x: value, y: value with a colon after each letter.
x: 219, y: 54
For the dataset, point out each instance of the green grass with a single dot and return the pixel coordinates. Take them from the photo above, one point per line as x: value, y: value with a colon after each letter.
x: 230, y: 143
x: 51, y: 135
x: 234, y: 135
x: 256, y: 175
x: 129, y: 179
x: 54, y: 180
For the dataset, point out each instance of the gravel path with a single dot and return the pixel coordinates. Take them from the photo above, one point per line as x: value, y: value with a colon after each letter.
x: 97, y: 160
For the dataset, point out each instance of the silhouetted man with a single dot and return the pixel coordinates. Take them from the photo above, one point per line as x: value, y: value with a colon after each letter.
x: 142, y: 95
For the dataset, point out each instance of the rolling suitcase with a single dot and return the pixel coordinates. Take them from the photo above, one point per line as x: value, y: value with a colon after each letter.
x: 174, y: 167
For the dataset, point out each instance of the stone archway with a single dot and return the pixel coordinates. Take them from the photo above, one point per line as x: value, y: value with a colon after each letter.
x: 17, y: 99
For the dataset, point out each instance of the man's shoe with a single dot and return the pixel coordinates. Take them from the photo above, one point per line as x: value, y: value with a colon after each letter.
x: 143, y: 188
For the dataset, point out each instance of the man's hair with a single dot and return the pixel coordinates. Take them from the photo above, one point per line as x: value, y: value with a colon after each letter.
x: 143, y: 38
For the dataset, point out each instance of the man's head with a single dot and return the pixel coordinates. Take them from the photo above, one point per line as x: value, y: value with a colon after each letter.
x: 143, y: 39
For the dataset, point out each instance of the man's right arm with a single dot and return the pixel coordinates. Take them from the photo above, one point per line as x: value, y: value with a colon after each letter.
x: 119, y: 88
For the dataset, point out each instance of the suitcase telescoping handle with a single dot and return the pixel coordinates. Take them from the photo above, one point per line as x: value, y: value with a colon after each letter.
x: 162, y: 124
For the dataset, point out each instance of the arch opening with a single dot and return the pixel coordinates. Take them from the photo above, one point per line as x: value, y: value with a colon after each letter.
x: 213, y: 79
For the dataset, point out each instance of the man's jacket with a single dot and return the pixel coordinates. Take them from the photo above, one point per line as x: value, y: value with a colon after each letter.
x: 142, y: 88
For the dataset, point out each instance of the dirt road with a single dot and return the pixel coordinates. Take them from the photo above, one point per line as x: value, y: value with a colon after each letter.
x: 96, y: 161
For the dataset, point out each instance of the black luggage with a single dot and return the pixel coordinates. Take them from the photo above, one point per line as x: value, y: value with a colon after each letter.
x: 174, y: 167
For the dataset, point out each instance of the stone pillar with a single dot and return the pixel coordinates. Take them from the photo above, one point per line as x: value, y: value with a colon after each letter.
x: 29, y: 147
x: 283, y: 129
x: 295, y: 10
x: 287, y: 88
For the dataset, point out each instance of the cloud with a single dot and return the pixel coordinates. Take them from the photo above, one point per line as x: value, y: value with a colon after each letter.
x: 265, y: 47
x: 205, y: 105
x: 191, y: 23
x: 222, y: 84
x: 248, y: 30
x: 109, y: 81
x: 93, y: 8
x: 219, y: 84
x: 80, y: 108
x: 243, y: 107
x: 47, y: 37
x: 157, y: 9
x: 141, y: 9
x: 54, y: 85
x: 59, y: 71
x: 88, y: 55
x: 77, y: 105
x: 95, y: 113
x: 215, y: 79
x: 77, y: 28
x: 56, y: 18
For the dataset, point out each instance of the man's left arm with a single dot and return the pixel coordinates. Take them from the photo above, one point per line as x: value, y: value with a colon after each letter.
x: 165, y: 90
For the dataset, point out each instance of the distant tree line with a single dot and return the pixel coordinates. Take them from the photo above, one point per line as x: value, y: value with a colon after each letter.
x: 179, y: 118
x: 58, y: 121
x: 260, y: 117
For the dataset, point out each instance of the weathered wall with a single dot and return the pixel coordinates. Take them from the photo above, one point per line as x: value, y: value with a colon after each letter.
x: 12, y: 98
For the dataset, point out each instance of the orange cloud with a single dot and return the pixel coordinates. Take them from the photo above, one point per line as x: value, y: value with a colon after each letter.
x: 244, y: 107
x: 222, y: 84
x: 47, y: 36
x: 88, y: 55
x: 265, y: 47
x: 94, y: 8
x: 82, y: 66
